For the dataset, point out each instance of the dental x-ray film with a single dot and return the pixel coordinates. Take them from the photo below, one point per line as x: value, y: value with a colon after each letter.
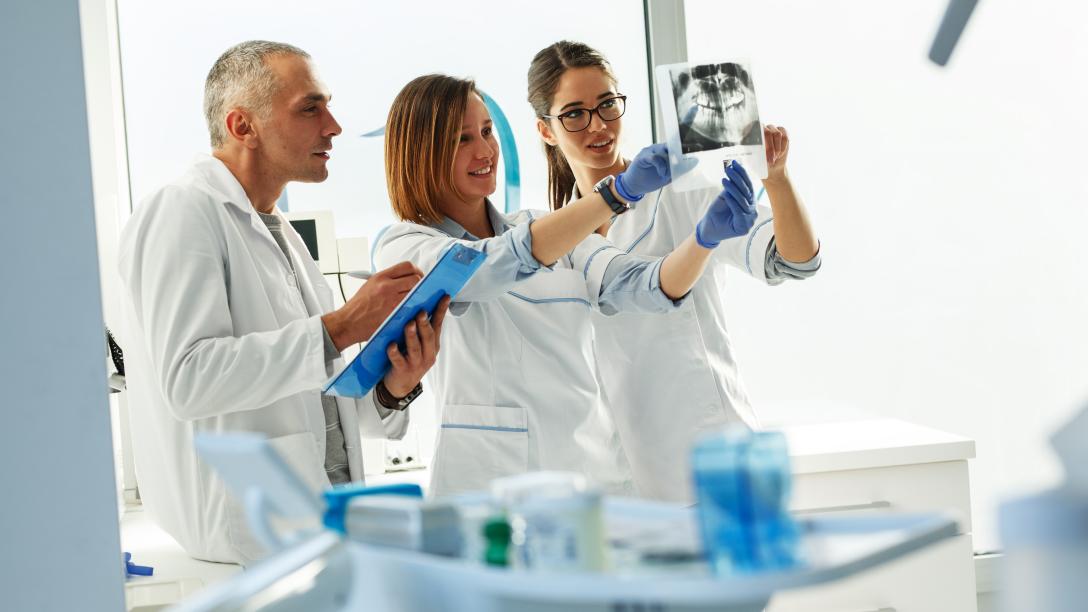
x: 710, y: 117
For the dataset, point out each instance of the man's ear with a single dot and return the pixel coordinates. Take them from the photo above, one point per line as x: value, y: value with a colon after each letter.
x: 546, y: 132
x: 240, y: 127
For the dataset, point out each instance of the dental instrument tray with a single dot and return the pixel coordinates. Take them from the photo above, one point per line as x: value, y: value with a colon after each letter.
x: 447, y: 277
x: 331, y: 574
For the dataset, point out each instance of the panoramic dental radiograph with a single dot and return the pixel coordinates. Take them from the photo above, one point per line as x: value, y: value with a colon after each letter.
x: 716, y: 107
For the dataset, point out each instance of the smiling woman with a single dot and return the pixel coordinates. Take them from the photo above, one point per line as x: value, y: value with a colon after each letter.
x: 516, y: 387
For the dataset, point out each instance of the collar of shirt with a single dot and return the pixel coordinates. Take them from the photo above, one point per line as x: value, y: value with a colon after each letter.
x: 499, y: 224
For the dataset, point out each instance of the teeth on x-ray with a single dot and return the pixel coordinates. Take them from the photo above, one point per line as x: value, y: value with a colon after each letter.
x: 716, y: 107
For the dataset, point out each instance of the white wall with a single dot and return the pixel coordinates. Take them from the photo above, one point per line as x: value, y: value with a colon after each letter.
x: 952, y: 210
x: 59, y: 514
x: 365, y: 53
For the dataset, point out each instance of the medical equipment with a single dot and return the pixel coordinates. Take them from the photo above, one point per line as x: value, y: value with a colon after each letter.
x: 405, y: 522
x: 326, y: 572
x: 478, y: 512
x: 316, y: 229
x: 555, y: 519
x: 951, y: 28
x: 742, y: 483
x: 448, y: 276
x: 1045, y: 536
x: 710, y: 115
x: 263, y: 480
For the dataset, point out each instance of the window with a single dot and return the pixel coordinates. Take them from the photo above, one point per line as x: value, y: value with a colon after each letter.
x: 365, y: 52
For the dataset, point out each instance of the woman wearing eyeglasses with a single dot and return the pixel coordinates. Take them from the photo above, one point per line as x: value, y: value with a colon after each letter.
x: 667, y: 377
x: 516, y: 382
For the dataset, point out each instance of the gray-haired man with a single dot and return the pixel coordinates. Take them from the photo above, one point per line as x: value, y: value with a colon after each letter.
x: 233, y: 326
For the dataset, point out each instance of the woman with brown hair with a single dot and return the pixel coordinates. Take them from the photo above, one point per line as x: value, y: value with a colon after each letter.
x: 516, y: 381
x: 688, y: 381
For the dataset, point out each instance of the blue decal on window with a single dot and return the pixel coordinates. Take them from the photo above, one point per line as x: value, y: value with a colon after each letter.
x: 509, y: 154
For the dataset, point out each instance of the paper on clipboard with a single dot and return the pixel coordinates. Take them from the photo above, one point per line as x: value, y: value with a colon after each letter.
x: 448, y: 276
x: 710, y: 116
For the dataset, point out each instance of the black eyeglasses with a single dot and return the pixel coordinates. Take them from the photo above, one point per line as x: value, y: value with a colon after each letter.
x: 578, y: 119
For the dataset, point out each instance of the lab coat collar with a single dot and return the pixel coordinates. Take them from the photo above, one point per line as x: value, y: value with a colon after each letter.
x: 223, y: 181
x: 225, y: 185
x: 499, y: 224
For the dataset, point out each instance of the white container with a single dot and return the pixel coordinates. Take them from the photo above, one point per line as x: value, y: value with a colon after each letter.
x: 556, y: 520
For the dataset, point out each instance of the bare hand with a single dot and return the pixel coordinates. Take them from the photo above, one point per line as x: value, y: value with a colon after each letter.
x: 357, y: 320
x: 421, y: 341
x: 777, y: 144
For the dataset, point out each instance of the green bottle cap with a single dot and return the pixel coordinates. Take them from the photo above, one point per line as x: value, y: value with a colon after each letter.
x: 497, y: 533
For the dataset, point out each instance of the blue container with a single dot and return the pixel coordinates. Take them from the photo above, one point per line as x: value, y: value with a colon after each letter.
x: 742, y: 484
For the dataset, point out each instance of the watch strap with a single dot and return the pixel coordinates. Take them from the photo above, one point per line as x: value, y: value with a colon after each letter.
x: 603, y: 187
x: 392, y: 402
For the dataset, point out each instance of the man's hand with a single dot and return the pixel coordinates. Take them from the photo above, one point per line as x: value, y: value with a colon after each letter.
x: 421, y: 340
x: 360, y: 317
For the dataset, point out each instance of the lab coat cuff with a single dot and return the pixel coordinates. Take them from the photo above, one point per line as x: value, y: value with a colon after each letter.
x: 331, y: 354
x: 779, y: 270
x: 315, y: 362
x: 595, y: 269
x: 661, y: 299
x: 757, y: 241
x: 521, y: 242
x: 376, y: 422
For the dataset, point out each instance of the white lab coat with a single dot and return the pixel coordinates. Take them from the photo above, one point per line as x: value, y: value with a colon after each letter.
x: 516, y: 383
x: 219, y: 340
x: 670, y: 377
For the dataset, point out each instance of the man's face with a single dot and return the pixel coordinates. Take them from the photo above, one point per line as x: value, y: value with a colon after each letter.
x: 296, y: 136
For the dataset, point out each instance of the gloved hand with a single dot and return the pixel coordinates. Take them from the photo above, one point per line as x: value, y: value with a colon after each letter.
x: 732, y: 213
x: 648, y: 171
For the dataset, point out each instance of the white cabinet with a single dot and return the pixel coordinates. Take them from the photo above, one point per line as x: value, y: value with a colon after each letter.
x: 883, y: 465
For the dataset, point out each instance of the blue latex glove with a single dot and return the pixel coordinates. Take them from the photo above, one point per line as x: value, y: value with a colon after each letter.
x: 732, y: 213
x: 648, y: 171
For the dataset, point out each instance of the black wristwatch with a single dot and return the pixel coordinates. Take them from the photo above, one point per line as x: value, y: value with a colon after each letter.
x: 603, y: 187
x: 392, y: 402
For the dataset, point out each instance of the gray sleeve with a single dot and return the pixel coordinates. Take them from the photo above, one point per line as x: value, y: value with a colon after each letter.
x: 632, y: 283
x: 779, y: 270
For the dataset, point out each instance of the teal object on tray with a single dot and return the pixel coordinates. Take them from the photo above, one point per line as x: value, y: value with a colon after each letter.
x: 742, y: 483
x: 447, y: 277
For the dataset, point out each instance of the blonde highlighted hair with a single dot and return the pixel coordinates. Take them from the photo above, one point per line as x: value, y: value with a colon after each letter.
x: 421, y: 137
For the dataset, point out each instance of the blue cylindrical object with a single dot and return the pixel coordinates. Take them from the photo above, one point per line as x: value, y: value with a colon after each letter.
x: 742, y: 484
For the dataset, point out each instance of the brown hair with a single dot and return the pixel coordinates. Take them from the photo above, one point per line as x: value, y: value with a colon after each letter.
x: 547, y: 67
x: 421, y: 137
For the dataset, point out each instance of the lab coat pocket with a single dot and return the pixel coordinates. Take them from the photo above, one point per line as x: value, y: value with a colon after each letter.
x: 299, y: 451
x: 477, y: 444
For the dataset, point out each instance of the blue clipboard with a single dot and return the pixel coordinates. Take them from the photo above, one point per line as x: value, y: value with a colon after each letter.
x: 447, y: 277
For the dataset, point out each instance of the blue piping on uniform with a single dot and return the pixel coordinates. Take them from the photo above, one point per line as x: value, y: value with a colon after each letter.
x: 485, y: 428
x: 549, y: 300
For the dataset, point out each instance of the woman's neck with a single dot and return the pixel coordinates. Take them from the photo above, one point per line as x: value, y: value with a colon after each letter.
x: 586, y: 177
x: 472, y: 216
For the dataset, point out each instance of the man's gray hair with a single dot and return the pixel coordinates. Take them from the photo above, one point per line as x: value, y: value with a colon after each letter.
x: 240, y: 78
